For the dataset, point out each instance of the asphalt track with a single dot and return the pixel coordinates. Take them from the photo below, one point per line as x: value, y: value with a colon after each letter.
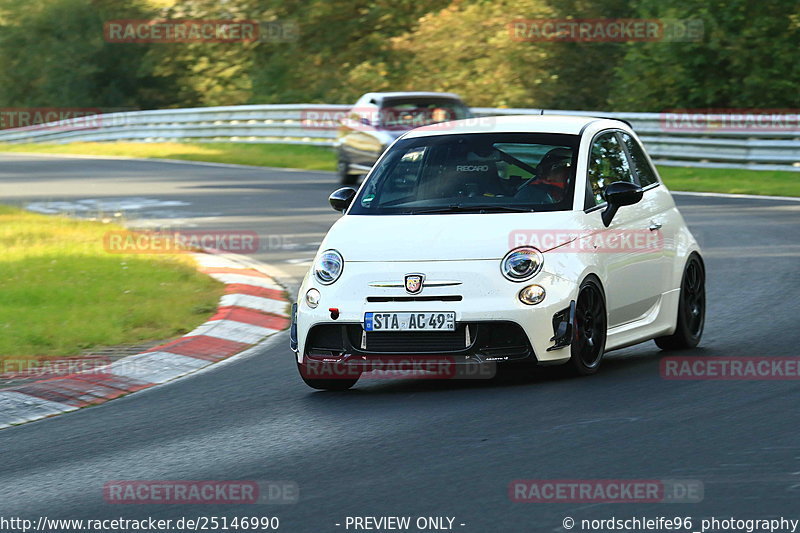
x: 411, y: 447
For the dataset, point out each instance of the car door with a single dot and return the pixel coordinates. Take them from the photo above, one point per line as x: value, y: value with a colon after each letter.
x: 624, y: 248
x: 663, y: 221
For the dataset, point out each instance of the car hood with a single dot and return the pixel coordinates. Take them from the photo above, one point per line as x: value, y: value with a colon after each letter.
x: 447, y: 237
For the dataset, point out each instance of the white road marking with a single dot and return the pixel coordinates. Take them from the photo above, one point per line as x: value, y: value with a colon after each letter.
x: 247, y: 280
x: 16, y: 408
x: 267, y: 305
x: 232, y: 331
x: 102, y: 205
x: 213, y: 261
x: 155, y: 367
x: 742, y: 196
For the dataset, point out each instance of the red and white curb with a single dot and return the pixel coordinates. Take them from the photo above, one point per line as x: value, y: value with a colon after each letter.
x: 254, y: 307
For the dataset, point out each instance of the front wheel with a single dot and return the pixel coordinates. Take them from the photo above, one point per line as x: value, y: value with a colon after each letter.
x: 691, y: 309
x: 343, y: 171
x: 326, y: 376
x: 590, y: 329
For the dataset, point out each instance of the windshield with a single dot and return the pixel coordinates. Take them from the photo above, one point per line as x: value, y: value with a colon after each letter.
x: 479, y: 172
x: 408, y: 113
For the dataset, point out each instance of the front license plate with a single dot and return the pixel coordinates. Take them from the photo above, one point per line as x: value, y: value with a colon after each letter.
x: 436, y: 321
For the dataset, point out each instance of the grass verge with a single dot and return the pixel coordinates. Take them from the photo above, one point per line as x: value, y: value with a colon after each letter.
x: 62, y: 293
x: 764, y: 182
x: 736, y: 181
x: 263, y: 155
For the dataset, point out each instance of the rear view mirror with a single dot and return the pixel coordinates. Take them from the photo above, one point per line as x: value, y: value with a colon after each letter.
x: 618, y: 194
x: 341, y: 199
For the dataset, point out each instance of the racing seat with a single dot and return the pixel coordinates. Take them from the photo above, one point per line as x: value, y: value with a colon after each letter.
x: 470, y: 179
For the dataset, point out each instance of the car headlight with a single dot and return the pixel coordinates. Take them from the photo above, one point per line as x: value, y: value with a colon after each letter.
x: 521, y: 264
x: 328, y: 267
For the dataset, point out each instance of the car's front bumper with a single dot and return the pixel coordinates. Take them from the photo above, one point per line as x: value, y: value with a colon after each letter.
x: 471, y: 342
x: 492, y: 325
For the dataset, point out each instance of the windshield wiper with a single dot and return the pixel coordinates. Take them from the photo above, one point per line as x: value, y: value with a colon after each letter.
x: 458, y: 208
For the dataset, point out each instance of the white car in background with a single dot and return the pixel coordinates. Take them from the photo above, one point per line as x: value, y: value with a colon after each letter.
x: 523, y: 239
x: 377, y: 119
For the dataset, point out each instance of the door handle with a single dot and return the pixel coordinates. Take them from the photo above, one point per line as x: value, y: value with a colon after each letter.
x: 654, y: 226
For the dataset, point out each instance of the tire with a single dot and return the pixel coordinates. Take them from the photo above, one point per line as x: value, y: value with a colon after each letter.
x: 347, y: 377
x: 343, y: 170
x: 590, y: 329
x: 691, y: 308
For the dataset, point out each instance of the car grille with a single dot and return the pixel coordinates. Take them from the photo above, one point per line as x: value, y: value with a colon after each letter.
x: 417, y: 341
x: 491, y: 339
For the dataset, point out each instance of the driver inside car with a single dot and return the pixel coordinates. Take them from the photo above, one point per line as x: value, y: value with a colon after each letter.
x: 551, y: 177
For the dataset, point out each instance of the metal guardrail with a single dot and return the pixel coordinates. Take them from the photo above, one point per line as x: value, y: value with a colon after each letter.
x: 250, y: 123
x: 774, y: 149
x: 315, y: 124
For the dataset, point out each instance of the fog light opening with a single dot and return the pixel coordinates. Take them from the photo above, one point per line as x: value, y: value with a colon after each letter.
x: 312, y: 298
x: 532, y: 295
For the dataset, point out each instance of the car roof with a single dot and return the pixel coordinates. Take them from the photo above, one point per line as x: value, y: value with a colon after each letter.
x: 567, y: 124
x: 409, y: 94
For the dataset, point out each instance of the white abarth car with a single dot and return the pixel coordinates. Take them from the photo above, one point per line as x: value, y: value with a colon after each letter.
x: 522, y: 239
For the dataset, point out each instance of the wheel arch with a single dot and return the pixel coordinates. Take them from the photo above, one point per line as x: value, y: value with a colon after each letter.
x: 689, y: 256
x: 596, y: 278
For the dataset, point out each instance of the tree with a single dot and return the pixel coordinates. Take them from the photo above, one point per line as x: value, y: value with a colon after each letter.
x: 581, y: 74
x: 468, y: 48
x: 209, y: 73
x: 54, y: 55
x: 333, y: 39
x: 746, y: 59
x: 465, y: 48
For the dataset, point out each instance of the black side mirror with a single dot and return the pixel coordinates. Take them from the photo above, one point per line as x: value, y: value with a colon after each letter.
x: 341, y: 199
x: 618, y: 194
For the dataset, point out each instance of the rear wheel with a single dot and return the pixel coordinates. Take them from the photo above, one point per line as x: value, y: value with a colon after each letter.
x: 691, y: 309
x: 325, y: 376
x: 590, y: 329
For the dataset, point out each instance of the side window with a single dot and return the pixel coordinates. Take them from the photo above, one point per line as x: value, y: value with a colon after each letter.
x: 607, y: 164
x: 643, y: 169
